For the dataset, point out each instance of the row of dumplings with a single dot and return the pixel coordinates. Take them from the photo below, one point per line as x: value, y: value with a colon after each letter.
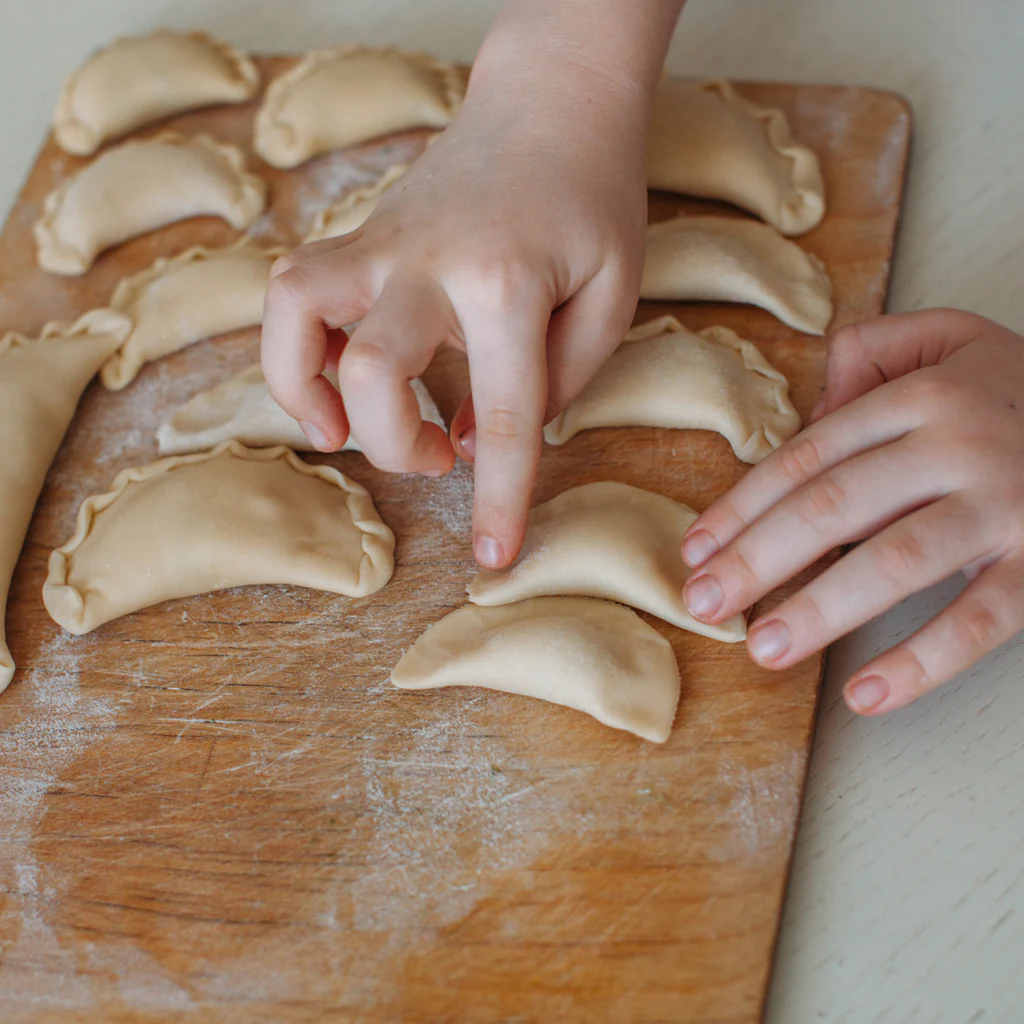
x: 322, y: 103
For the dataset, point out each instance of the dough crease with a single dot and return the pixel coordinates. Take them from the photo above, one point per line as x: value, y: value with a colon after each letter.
x: 606, y: 540
x: 599, y: 658
x: 352, y: 210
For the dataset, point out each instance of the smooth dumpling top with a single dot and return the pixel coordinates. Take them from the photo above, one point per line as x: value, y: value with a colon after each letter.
x: 337, y: 98
x: 144, y: 78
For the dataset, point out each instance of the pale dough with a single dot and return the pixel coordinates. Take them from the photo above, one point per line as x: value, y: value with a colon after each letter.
x: 726, y: 259
x: 706, y: 140
x: 342, y: 97
x: 41, y: 380
x: 176, y: 302
x: 242, y: 408
x: 227, y: 518
x: 141, y: 186
x: 605, y: 540
x: 350, y: 212
x: 593, y: 656
x: 663, y: 375
x: 144, y: 78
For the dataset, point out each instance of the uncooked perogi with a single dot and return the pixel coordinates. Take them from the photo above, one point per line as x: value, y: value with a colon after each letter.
x: 176, y: 302
x: 227, y: 518
x: 663, y: 375
x: 350, y: 212
x: 342, y: 97
x: 141, y: 186
x: 726, y: 259
x: 242, y: 408
x: 144, y: 78
x: 41, y: 380
x: 605, y: 540
x: 706, y: 140
x: 589, y: 655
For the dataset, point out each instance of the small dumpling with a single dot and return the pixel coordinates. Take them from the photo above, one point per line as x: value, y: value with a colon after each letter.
x: 198, y: 294
x: 351, y: 211
x: 726, y: 259
x: 242, y: 408
x: 342, y: 97
x: 41, y: 381
x: 605, y: 540
x: 706, y: 140
x: 593, y: 656
x: 228, y: 518
x: 141, y: 79
x: 141, y: 186
x: 663, y: 375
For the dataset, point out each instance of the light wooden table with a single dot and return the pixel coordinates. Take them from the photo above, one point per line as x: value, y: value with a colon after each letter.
x: 907, y: 900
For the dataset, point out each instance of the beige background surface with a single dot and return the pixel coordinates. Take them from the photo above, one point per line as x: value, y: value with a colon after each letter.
x: 907, y: 898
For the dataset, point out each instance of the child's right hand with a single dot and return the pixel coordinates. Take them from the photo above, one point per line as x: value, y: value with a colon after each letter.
x: 518, y: 237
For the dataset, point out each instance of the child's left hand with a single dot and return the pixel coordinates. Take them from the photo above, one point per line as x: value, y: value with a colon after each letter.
x: 916, y: 448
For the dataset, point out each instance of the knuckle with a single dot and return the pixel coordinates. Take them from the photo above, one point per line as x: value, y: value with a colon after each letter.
x: 846, y: 340
x: 282, y: 265
x: 824, y: 499
x: 287, y: 290
x: 899, y: 556
x: 361, y: 364
x: 801, y: 459
x: 501, y: 424
x: 501, y: 283
x: 932, y: 392
x: 978, y: 629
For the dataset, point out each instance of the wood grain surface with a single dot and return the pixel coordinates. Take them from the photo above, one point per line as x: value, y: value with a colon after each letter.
x: 218, y: 809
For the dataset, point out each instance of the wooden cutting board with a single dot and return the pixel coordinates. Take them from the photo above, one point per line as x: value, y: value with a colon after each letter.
x: 218, y: 809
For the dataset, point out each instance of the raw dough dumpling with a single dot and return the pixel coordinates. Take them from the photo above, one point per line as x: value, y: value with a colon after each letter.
x: 337, y: 98
x: 732, y: 260
x: 593, y: 656
x: 242, y: 408
x: 141, y: 186
x: 350, y: 212
x: 228, y: 518
x: 41, y: 380
x: 198, y: 294
x: 144, y: 78
x: 605, y: 540
x: 706, y: 140
x: 663, y: 375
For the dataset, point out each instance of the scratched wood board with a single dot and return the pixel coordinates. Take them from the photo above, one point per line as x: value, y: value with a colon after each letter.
x: 218, y: 808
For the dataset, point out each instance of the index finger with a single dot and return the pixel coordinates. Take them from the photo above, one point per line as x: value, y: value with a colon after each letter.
x: 508, y: 375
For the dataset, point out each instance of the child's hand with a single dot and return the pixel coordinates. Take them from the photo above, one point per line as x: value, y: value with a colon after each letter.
x: 517, y: 237
x: 918, y: 445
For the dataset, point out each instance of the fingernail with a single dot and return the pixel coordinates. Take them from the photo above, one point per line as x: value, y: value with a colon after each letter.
x: 769, y: 642
x: 703, y: 596
x: 435, y: 472
x: 819, y: 408
x: 317, y: 438
x: 698, y: 547
x: 866, y: 694
x: 487, y: 551
x: 468, y: 443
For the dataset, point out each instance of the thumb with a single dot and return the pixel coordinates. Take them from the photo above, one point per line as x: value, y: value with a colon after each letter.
x: 863, y: 356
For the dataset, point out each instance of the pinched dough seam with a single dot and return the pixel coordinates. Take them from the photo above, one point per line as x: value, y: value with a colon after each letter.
x: 361, y: 193
x: 250, y: 186
x: 268, y: 119
x: 129, y: 289
x: 96, y: 321
x: 64, y: 119
x: 806, y: 171
x: 753, y: 361
x: 358, y: 501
